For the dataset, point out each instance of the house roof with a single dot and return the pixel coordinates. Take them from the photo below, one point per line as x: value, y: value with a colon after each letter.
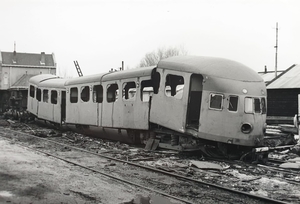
x: 27, y: 59
x: 269, y: 76
x: 287, y: 79
x: 22, y: 83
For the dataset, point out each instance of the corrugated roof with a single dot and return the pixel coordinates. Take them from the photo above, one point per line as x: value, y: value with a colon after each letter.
x: 269, y: 76
x: 27, y: 59
x: 287, y: 80
x: 22, y: 83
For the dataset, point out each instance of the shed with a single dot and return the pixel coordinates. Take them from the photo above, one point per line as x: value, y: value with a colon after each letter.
x: 283, y: 95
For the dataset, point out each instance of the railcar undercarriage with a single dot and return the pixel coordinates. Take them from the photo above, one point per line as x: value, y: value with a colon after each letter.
x: 168, y: 139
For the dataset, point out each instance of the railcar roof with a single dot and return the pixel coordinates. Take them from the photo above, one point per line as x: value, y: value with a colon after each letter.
x: 39, y: 78
x: 58, y: 83
x: 85, y: 79
x: 131, y: 73
x: 211, y: 66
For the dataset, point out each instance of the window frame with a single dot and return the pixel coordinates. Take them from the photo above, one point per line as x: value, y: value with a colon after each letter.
x: 174, y: 89
x: 46, y: 93
x: 85, y: 90
x: 237, y: 103
x: 126, y: 92
x: 53, y: 100
x: 98, y: 94
x: 72, y: 98
x: 115, y: 92
x: 222, y: 101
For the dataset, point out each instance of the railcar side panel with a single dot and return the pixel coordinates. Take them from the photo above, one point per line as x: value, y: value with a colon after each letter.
x: 32, y: 105
x: 169, y: 106
x: 81, y: 108
x: 135, y: 111
x: 112, y: 105
x: 220, y: 122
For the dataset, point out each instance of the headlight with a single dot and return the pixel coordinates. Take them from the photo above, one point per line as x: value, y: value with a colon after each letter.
x: 246, y: 128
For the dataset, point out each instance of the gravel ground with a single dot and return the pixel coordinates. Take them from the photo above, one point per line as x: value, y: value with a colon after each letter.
x: 30, y: 177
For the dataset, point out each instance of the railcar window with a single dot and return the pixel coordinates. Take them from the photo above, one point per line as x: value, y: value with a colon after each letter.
x: 98, y: 94
x: 45, y: 96
x: 233, y: 103
x: 31, y: 91
x: 263, y: 106
x: 256, y: 105
x: 146, y: 90
x: 249, y: 105
x: 129, y: 91
x: 216, y: 101
x: 85, y: 93
x: 174, y: 86
x: 112, y: 93
x: 54, y: 97
x: 74, y: 95
x: 38, y: 94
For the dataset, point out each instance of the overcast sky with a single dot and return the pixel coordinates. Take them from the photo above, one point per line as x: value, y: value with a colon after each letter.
x: 102, y: 34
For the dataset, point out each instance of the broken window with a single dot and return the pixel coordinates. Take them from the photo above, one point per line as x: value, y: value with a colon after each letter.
x: 31, y: 91
x: 129, y: 91
x: 38, y: 94
x: 112, y: 92
x: 97, y: 94
x: 216, y: 101
x: 233, y: 103
x: 45, y: 96
x: 256, y: 105
x: 174, y: 86
x: 54, y: 97
x: 263, y: 106
x: 85, y: 93
x: 146, y: 90
x: 74, y: 95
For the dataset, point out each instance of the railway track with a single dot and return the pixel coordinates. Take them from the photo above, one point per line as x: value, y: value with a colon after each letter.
x: 169, y: 184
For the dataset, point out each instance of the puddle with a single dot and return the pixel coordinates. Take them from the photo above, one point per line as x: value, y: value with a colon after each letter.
x: 5, y: 194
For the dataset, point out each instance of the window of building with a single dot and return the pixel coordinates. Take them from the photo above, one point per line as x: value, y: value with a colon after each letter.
x: 216, y: 101
x: 112, y: 93
x: 97, y: 94
x: 129, y: 91
x: 45, y: 96
x: 38, y: 94
x: 85, y: 93
x: 54, y: 97
x: 174, y: 86
x: 31, y: 91
x: 74, y: 95
x: 233, y: 103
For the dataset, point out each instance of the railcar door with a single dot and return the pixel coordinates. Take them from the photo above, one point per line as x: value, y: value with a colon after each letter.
x: 63, y: 106
x: 168, y: 107
x: 194, y: 101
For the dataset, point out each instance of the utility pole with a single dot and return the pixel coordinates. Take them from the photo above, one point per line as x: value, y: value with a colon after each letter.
x: 276, y: 47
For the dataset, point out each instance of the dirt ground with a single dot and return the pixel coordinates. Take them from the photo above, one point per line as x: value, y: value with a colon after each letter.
x: 30, y: 177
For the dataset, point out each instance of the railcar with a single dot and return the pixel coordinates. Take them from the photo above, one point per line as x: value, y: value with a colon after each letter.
x: 47, y: 98
x: 183, y: 103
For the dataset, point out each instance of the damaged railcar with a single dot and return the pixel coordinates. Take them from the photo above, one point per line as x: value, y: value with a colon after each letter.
x: 219, y: 100
x: 47, y: 98
x: 183, y: 103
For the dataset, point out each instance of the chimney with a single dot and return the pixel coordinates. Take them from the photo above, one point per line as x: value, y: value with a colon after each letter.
x: 42, y: 58
x: 266, y: 70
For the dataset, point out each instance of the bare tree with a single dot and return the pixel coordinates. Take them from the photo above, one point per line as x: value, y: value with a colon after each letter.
x: 152, y: 58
